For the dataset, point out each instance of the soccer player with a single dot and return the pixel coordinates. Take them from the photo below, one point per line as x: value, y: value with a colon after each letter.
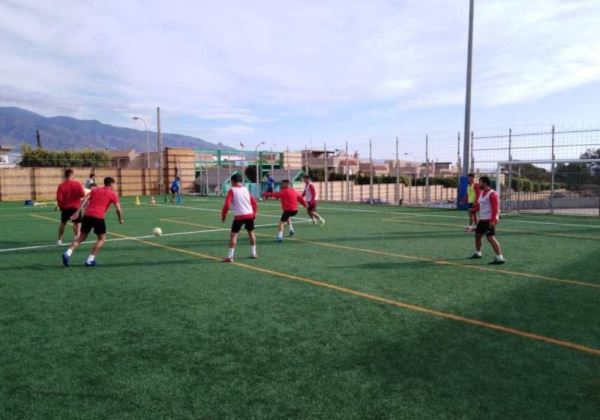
x: 310, y: 196
x: 91, y: 180
x: 98, y: 202
x: 68, y: 199
x: 244, y: 209
x: 289, y: 203
x: 175, y: 190
x: 270, y: 183
x: 489, y: 212
x: 473, y: 193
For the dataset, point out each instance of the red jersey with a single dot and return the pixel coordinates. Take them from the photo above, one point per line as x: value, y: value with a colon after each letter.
x: 69, y: 195
x: 289, y: 199
x: 243, y: 204
x: 100, y: 200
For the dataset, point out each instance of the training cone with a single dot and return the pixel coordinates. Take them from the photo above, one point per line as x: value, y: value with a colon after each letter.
x: 137, y: 200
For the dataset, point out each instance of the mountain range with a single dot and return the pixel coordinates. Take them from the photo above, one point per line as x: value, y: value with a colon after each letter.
x: 18, y: 126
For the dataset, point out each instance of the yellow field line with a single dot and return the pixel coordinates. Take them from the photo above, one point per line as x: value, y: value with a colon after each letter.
x: 379, y: 299
x: 425, y: 259
x: 375, y: 298
x: 529, y: 232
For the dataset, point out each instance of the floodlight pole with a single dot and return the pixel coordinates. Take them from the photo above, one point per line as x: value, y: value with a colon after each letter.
x: 258, y: 167
x: 147, y: 140
x: 467, y: 147
x: 159, y: 140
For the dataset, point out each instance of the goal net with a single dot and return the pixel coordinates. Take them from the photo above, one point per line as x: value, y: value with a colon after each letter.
x: 565, y: 186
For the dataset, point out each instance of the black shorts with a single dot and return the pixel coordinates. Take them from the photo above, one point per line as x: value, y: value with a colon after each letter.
x: 89, y: 223
x: 471, y: 205
x: 484, y: 228
x: 311, y: 207
x: 237, y: 225
x: 65, y: 215
x: 287, y: 215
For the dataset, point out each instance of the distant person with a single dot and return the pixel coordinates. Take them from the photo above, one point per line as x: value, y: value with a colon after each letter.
x: 98, y: 202
x: 289, y: 203
x: 175, y: 190
x: 489, y: 215
x: 68, y: 200
x: 270, y: 183
x: 310, y: 196
x: 470, y: 198
x: 91, y: 180
x: 244, y: 208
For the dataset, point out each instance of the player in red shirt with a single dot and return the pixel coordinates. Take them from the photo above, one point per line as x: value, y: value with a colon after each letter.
x: 289, y: 203
x: 68, y: 200
x: 310, y: 196
x: 244, y: 209
x: 488, y: 206
x: 97, y: 202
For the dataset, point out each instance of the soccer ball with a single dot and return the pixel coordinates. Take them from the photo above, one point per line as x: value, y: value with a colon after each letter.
x: 157, y: 231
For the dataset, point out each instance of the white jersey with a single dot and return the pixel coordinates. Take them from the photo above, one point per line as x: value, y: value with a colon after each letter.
x: 310, y: 193
x: 488, y: 205
x: 240, y: 203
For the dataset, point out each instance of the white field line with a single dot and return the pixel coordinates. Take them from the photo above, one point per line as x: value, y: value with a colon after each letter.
x: 132, y: 238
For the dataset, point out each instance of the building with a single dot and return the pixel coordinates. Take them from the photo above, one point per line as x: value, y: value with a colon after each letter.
x: 5, y: 159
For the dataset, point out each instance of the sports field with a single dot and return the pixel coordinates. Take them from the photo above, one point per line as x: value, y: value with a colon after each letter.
x: 377, y: 314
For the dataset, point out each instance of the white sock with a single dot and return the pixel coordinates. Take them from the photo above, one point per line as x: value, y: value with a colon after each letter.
x: 253, y: 250
x: 91, y: 258
x: 69, y: 252
x: 230, y: 252
x: 59, y: 242
x: 478, y: 253
x: 280, y: 235
x: 500, y: 257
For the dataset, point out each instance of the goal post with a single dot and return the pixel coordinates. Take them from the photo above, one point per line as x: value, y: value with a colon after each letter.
x: 549, y: 186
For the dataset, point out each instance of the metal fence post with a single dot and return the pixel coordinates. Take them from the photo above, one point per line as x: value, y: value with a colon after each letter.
x: 458, y: 165
x: 427, y: 188
x: 473, y: 169
x: 370, y: 171
x: 305, y: 159
x: 552, y: 173
x: 325, y: 176
x: 397, y: 192
x: 347, y: 175
x: 509, y: 188
x: 289, y: 173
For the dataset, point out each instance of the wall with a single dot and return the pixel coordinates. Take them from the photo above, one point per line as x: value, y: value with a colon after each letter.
x: 40, y: 184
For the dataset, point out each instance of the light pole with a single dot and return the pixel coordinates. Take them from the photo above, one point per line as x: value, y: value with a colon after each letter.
x: 257, y: 167
x: 147, y: 141
x: 272, y: 157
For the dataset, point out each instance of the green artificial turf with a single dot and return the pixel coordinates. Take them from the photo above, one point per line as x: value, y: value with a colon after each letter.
x: 317, y: 327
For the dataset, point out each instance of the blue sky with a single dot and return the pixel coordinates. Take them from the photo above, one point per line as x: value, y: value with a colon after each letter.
x: 297, y: 72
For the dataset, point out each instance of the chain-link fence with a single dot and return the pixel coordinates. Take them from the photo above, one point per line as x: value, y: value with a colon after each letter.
x: 542, y: 169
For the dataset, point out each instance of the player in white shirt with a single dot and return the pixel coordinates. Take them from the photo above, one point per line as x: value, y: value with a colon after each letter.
x: 244, y: 208
x: 310, y: 196
x: 488, y: 205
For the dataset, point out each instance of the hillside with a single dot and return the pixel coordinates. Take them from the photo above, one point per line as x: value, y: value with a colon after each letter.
x: 18, y: 126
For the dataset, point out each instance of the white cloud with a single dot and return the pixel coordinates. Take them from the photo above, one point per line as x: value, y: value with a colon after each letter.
x: 250, y: 63
x: 235, y: 131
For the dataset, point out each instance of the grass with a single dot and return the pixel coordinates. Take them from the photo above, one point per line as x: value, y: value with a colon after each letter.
x: 375, y: 315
